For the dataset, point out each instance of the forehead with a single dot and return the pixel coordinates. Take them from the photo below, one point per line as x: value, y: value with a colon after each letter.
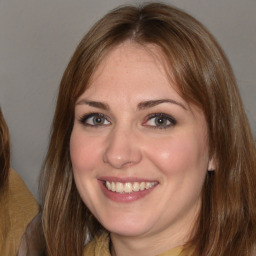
x: 132, y: 67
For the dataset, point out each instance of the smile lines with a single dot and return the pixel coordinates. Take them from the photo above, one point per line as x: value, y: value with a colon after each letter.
x: 128, y: 187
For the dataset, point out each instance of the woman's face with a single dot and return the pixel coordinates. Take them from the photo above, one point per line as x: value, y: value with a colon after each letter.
x: 139, y: 151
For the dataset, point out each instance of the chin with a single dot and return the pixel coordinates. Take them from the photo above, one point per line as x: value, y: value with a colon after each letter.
x: 127, y: 228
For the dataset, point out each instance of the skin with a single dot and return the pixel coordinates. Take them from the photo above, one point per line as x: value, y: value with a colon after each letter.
x: 130, y: 143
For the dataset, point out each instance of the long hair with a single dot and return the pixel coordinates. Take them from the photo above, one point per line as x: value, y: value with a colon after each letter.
x: 4, y: 153
x: 226, y: 224
x: 4, y: 174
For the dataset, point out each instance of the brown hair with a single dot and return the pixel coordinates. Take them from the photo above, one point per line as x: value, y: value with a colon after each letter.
x: 4, y: 174
x: 227, y: 221
x: 4, y: 153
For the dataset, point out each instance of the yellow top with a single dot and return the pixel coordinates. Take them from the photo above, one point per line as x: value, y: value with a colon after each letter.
x: 17, y: 208
x: 100, y: 247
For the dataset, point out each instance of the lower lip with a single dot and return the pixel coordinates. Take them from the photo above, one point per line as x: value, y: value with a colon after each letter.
x: 125, y: 197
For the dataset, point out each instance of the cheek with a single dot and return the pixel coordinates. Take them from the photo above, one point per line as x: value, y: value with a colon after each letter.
x: 180, y: 154
x: 84, y: 152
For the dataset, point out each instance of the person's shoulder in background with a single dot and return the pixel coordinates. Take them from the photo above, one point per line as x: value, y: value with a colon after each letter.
x: 18, y: 208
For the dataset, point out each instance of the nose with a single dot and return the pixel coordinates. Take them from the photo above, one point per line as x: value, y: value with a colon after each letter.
x: 122, y: 149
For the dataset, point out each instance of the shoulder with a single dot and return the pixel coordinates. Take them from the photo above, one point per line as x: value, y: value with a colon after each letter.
x: 22, y: 205
x: 20, y: 208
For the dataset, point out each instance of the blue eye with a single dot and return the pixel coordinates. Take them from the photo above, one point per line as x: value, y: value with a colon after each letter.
x: 94, y: 119
x: 160, y: 120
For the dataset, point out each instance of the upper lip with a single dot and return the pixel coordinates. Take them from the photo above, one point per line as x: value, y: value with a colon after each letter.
x: 125, y: 179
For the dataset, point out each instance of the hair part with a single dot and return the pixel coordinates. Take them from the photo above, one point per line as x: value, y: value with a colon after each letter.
x: 226, y: 224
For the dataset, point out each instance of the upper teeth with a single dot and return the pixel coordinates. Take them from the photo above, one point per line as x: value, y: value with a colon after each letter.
x: 128, y: 187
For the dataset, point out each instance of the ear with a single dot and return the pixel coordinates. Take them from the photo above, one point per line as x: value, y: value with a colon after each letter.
x: 211, y: 165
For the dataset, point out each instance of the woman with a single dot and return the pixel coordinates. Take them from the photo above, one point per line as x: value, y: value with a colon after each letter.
x: 17, y: 205
x: 151, y: 152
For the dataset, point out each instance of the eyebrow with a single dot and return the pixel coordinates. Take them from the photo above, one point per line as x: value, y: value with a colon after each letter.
x: 152, y: 103
x: 95, y: 104
x: 141, y: 106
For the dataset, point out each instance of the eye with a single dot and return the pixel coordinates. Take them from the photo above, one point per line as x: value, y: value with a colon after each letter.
x: 160, y: 120
x: 94, y: 119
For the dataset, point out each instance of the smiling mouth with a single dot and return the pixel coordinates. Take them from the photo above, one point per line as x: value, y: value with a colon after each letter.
x: 128, y: 187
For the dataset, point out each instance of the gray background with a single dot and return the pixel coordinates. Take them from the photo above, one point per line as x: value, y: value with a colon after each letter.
x: 38, y: 37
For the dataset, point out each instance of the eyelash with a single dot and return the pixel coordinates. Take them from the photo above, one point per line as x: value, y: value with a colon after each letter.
x: 86, y: 117
x: 83, y: 120
x: 163, y: 116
